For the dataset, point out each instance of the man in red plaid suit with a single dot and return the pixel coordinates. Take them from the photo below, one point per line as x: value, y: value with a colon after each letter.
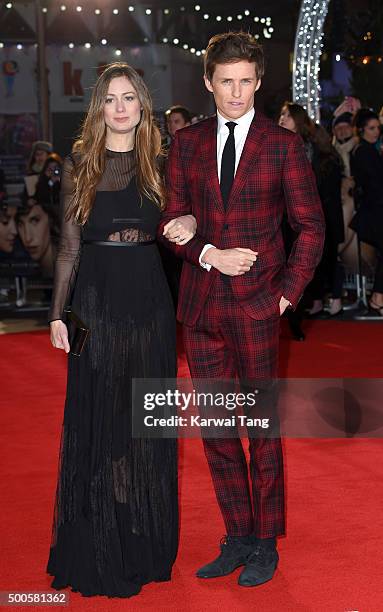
x: 237, y: 173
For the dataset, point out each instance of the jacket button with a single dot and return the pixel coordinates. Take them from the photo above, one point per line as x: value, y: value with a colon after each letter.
x: 226, y: 226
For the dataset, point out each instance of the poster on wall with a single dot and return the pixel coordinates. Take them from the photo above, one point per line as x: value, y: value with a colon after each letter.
x: 17, y: 133
x: 29, y: 231
x: 72, y: 74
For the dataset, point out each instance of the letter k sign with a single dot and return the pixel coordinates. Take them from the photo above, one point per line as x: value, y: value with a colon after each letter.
x: 72, y: 80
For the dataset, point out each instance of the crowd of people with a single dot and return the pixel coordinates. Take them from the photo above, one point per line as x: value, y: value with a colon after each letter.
x: 347, y: 163
x: 349, y: 176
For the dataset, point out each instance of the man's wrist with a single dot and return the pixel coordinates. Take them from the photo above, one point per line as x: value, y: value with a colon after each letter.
x: 206, y: 266
x: 209, y: 256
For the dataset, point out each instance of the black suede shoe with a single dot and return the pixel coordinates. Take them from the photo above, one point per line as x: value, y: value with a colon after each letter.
x: 296, y: 331
x: 260, y: 566
x: 234, y: 553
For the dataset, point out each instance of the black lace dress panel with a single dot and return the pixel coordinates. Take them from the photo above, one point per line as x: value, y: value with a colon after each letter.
x: 116, y: 512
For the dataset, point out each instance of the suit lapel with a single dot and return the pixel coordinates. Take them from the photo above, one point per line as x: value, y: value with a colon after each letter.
x: 209, y: 162
x: 255, y: 138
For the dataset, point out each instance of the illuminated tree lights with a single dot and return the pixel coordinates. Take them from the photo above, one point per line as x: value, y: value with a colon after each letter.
x: 307, y: 53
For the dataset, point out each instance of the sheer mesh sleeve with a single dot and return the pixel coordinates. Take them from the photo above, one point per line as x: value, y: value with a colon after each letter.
x: 68, y: 254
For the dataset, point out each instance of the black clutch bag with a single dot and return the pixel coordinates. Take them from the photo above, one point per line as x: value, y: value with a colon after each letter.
x: 77, y: 332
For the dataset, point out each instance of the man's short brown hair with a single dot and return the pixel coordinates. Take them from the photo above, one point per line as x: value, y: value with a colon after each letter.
x: 182, y: 110
x: 232, y: 47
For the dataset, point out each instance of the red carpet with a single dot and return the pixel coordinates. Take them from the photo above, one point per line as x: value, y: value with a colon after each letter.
x: 332, y: 559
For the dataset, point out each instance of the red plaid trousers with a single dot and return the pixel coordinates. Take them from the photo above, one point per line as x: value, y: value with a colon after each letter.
x: 227, y: 343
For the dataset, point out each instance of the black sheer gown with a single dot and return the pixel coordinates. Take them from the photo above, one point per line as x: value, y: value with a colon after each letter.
x: 116, y: 514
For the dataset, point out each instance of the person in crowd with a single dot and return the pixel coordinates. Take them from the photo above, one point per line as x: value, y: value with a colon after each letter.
x: 41, y: 149
x: 116, y: 513
x: 177, y: 117
x: 367, y: 170
x: 327, y: 167
x: 37, y: 226
x: 8, y: 234
x: 238, y: 172
x: 49, y: 182
x: 10, y: 250
x: 344, y: 140
x: 46, y: 197
x: 8, y: 229
x: 2, y: 186
x: 304, y: 126
x: 293, y: 117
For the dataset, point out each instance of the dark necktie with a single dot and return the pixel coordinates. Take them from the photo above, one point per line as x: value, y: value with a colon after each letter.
x: 228, y: 163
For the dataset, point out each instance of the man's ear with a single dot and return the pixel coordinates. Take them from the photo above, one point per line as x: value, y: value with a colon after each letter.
x: 258, y: 85
x: 207, y: 84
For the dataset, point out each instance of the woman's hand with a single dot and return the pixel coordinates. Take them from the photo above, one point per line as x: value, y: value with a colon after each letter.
x: 181, y: 230
x: 59, y: 335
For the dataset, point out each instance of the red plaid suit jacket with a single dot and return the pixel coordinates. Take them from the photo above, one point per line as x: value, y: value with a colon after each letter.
x: 273, y: 176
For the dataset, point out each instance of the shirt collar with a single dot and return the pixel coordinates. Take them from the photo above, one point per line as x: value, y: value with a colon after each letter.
x: 244, y: 121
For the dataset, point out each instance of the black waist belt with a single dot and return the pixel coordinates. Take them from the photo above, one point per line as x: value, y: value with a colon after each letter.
x: 118, y: 243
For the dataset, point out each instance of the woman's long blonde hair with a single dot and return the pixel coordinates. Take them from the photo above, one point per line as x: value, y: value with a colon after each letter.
x: 90, y: 150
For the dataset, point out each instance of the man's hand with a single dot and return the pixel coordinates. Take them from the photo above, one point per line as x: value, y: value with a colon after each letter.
x: 232, y: 262
x: 181, y: 230
x: 283, y: 304
x: 59, y: 335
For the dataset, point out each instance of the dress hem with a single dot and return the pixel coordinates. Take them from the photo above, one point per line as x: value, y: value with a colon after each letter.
x: 59, y: 585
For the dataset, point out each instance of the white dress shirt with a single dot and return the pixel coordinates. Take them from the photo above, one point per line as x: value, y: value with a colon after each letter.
x: 240, y: 135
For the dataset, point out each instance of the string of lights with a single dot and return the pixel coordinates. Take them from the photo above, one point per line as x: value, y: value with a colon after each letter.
x: 307, y: 53
x: 200, y: 11
x: 78, y: 8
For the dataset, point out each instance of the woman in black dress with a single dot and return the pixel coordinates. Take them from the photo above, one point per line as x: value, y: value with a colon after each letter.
x: 116, y: 514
